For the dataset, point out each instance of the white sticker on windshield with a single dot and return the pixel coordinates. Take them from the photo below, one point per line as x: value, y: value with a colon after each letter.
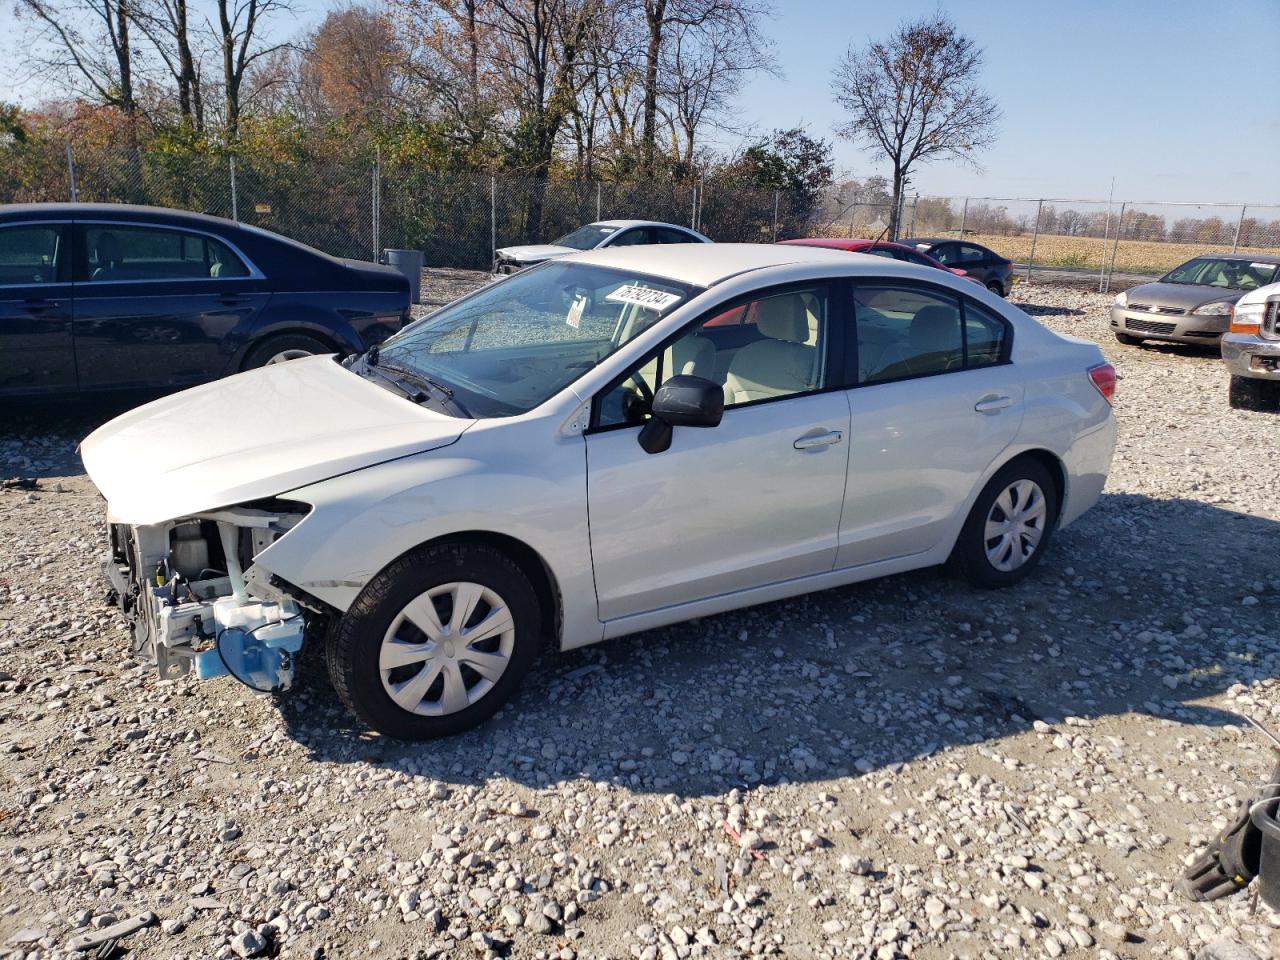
x: 657, y: 300
x: 574, y: 318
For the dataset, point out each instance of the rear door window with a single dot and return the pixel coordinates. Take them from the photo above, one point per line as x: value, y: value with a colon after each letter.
x: 914, y: 331
x: 971, y: 254
x: 129, y: 253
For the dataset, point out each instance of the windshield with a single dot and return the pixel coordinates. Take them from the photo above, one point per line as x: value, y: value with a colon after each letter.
x: 586, y: 238
x: 1227, y: 274
x: 516, y: 343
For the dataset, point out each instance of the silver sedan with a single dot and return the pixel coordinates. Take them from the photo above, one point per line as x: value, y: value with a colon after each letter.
x: 1191, y: 303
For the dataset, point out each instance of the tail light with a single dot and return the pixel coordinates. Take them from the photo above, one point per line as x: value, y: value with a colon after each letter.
x: 1104, y: 378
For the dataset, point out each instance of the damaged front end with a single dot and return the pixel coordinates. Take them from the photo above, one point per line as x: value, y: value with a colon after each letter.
x: 196, y: 599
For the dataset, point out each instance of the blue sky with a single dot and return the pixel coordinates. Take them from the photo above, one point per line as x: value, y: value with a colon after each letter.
x: 1174, y: 99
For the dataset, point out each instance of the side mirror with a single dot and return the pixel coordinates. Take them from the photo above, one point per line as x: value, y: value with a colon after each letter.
x: 683, y: 401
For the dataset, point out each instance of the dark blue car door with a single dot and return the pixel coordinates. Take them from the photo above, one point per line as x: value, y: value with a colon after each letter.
x: 159, y: 306
x: 36, y: 354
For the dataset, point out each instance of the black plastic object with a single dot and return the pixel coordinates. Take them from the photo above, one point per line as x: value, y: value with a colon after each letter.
x: 683, y: 401
x: 1232, y: 860
x: 1268, y: 828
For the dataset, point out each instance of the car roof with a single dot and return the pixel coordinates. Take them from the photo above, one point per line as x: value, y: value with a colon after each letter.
x: 619, y: 224
x: 1244, y: 257
x: 915, y: 240
x: 111, y: 211
x: 706, y: 264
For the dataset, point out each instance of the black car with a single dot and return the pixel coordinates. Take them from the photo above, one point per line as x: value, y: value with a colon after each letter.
x: 108, y: 296
x: 988, y: 267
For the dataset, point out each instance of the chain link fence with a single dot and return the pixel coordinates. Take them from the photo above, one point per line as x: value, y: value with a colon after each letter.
x: 353, y: 203
x: 1096, y: 241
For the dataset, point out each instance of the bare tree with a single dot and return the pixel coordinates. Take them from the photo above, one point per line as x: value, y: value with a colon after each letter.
x: 239, y: 40
x: 915, y: 98
x: 349, y: 66
x: 167, y: 24
x: 85, y: 42
x: 702, y: 71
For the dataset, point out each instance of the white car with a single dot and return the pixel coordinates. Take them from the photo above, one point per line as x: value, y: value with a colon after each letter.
x: 594, y: 236
x: 597, y: 446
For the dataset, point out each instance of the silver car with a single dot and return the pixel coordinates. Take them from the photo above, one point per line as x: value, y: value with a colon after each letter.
x: 1191, y: 303
x: 594, y: 236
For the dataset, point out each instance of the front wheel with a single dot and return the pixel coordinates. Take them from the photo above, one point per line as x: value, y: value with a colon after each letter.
x: 1009, y: 527
x: 437, y: 642
x: 1128, y: 340
x: 282, y: 348
x: 1250, y: 393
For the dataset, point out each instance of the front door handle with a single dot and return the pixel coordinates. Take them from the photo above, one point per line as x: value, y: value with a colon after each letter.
x: 993, y: 404
x: 813, y: 441
x: 38, y: 305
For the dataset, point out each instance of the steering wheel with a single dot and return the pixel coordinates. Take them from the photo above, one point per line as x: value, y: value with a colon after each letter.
x: 646, y: 393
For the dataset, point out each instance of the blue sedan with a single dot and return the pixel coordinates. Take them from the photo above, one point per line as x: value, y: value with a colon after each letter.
x: 98, y: 297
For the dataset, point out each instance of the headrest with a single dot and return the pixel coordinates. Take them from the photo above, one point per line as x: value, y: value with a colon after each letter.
x: 935, y: 328
x: 783, y: 318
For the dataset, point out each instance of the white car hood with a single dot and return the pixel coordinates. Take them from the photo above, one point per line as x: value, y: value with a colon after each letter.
x: 535, y: 251
x: 254, y: 435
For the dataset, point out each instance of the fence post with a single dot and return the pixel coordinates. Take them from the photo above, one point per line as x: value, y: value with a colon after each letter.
x: 964, y: 215
x: 493, y: 219
x: 1035, y: 235
x: 235, y: 206
x: 1239, y: 223
x: 598, y: 186
x: 853, y: 215
x: 71, y: 171
x: 775, y: 216
x: 377, y: 202
x: 693, y: 209
x: 1111, y: 267
x: 702, y: 184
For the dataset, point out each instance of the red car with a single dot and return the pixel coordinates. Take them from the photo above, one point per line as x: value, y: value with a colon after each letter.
x: 881, y: 248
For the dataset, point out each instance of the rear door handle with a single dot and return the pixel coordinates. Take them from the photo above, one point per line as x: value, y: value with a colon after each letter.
x: 813, y: 441
x: 993, y: 404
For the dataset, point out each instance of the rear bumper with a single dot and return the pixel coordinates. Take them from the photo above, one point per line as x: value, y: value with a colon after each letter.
x: 1248, y: 356
x: 1178, y: 328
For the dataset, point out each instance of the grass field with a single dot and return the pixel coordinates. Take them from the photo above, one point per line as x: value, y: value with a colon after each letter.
x: 1132, y: 256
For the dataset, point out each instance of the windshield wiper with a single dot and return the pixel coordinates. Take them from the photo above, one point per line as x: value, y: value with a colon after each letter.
x: 415, y: 376
x: 410, y: 392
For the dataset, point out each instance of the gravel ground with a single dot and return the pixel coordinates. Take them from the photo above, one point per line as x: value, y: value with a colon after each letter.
x: 900, y: 768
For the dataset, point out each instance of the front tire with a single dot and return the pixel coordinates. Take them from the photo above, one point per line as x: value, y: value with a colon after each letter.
x: 1128, y: 340
x: 437, y: 642
x: 1249, y: 393
x: 1009, y: 527
x: 282, y: 348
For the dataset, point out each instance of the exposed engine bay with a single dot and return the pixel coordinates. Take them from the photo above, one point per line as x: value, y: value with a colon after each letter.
x: 196, y: 600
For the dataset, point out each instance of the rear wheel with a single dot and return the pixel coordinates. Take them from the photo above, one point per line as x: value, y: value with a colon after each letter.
x: 1249, y: 393
x: 1009, y: 527
x: 436, y: 642
x: 1128, y: 340
x: 285, y: 347
x: 996, y: 288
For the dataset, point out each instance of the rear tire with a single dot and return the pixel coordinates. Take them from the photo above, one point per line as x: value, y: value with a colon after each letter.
x: 1249, y: 393
x: 1009, y: 527
x: 996, y: 288
x: 282, y: 348
x: 413, y: 682
x: 1128, y: 340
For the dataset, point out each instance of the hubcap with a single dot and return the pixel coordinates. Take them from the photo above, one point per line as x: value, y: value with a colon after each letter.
x: 446, y: 649
x: 1015, y: 525
x: 284, y: 355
